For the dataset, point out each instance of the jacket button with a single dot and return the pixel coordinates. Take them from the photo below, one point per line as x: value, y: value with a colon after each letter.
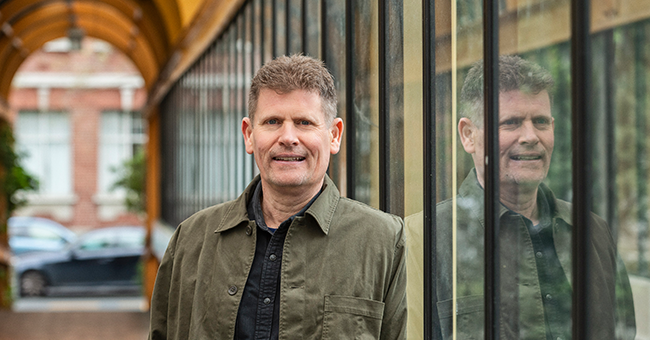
x: 249, y: 230
x: 232, y: 290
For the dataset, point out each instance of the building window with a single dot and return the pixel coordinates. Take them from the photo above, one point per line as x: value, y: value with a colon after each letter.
x: 122, y: 135
x: 44, y: 138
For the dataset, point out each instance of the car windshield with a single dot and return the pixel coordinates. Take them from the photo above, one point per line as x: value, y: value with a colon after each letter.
x: 123, y: 238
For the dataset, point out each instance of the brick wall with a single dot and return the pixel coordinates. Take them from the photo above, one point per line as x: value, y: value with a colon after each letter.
x: 84, y: 104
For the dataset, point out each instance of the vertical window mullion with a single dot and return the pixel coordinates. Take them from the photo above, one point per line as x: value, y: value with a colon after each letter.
x: 384, y: 94
x: 287, y: 26
x: 429, y: 171
x: 350, y: 112
x: 391, y: 106
x: 303, y: 26
x: 491, y: 119
x: 323, y: 32
x: 274, y: 17
x: 610, y: 126
x: 581, y: 145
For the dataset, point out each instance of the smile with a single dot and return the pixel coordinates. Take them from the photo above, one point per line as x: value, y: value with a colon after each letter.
x: 526, y: 157
x: 289, y: 159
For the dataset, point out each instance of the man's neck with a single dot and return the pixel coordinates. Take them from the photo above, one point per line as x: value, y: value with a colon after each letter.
x: 278, y: 206
x: 522, y: 200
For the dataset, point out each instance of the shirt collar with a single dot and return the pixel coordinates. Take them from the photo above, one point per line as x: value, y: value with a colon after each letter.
x: 256, y: 214
x: 471, y: 189
x: 322, y: 209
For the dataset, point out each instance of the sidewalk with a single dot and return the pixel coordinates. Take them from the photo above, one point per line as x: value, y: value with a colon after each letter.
x: 74, y: 319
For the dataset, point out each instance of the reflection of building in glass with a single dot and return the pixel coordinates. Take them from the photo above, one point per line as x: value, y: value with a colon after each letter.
x: 76, y: 117
x: 197, y: 61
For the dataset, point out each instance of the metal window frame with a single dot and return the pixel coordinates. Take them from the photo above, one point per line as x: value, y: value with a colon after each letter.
x: 582, y: 168
x: 492, y: 201
x: 431, y: 330
x: 177, y: 102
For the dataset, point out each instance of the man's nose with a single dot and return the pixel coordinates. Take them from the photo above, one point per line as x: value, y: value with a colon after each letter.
x: 288, y: 135
x: 528, y: 133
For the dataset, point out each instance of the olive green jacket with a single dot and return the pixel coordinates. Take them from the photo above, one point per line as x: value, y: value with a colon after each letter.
x: 522, y: 312
x: 343, y: 273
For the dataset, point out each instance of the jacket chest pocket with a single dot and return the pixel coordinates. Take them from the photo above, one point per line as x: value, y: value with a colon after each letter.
x: 349, y: 317
x: 469, y: 317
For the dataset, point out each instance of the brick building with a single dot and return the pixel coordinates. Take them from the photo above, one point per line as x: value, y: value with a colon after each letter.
x: 76, y: 116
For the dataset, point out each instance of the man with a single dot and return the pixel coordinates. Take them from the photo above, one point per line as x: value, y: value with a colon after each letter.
x: 290, y: 258
x: 535, y: 227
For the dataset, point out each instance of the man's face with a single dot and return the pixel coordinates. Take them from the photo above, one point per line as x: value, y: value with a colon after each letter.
x: 291, y: 140
x: 525, y: 139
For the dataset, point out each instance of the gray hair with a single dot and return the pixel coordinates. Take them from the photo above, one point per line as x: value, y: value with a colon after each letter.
x: 515, y: 73
x: 296, y: 72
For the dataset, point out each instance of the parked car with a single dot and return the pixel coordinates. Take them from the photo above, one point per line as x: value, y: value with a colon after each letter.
x: 99, y: 261
x: 27, y: 234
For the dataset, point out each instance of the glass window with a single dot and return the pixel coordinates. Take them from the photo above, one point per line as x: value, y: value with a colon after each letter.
x: 122, y: 135
x: 98, y: 241
x: 44, y: 138
x: 363, y: 120
x: 386, y: 80
x: 130, y: 239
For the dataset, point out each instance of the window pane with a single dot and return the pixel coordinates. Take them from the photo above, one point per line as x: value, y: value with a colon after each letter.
x: 295, y: 26
x: 313, y: 27
x: 121, y: 133
x: 280, y: 29
x: 334, y: 57
x: 620, y: 78
x: 413, y: 165
x: 45, y: 139
x: 365, y: 117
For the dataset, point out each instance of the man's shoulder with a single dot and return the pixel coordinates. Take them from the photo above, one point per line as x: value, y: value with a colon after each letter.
x: 210, y: 211
x: 564, y: 210
x: 352, y: 212
x: 210, y: 216
x: 351, y: 206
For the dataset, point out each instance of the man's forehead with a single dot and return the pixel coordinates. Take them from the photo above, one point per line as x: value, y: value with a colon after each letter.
x: 273, y: 103
x: 513, y: 102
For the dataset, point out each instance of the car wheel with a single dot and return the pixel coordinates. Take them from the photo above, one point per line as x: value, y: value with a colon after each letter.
x: 32, y: 284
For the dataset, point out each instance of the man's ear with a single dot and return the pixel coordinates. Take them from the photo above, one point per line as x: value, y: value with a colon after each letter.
x: 336, y: 131
x: 247, y: 131
x: 466, y: 130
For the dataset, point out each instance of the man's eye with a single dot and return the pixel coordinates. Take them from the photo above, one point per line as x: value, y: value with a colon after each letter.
x: 541, y: 121
x: 509, y: 122
x: 272, y: 121
x: 304, y: 122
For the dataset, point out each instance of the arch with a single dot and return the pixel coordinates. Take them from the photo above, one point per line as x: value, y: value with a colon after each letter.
x: 143, y: 30
x: 136, y: 28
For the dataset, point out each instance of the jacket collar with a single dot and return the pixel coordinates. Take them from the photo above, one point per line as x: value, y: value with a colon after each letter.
x: 322, y: 210
x: 471, y: 189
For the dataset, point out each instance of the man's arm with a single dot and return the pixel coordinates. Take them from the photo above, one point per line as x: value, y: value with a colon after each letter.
x: 625, y: 319
x: 160, y: 296
x: 394, y: 320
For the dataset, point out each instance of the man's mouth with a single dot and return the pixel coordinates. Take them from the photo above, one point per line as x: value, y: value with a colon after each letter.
x: 526, y: 157
x: 289, y: 159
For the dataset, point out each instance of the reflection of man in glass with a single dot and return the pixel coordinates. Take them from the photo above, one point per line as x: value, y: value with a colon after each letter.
x: 535, y: 227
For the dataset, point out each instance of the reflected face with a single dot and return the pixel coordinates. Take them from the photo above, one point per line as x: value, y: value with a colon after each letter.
x: 291, y: 140
x: 526, y: 139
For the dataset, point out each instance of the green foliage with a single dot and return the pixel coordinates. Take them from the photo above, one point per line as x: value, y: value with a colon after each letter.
x: 15, y: 177
x: 131, y: 177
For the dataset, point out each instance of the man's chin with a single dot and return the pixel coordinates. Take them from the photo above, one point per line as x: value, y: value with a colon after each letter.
x: 523, y: 180
x: 287, y: 182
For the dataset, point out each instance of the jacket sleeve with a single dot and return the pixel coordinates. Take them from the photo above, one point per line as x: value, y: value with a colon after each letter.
x: 159, y: 315
x: 394, y: 319
x: 625, y: 320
